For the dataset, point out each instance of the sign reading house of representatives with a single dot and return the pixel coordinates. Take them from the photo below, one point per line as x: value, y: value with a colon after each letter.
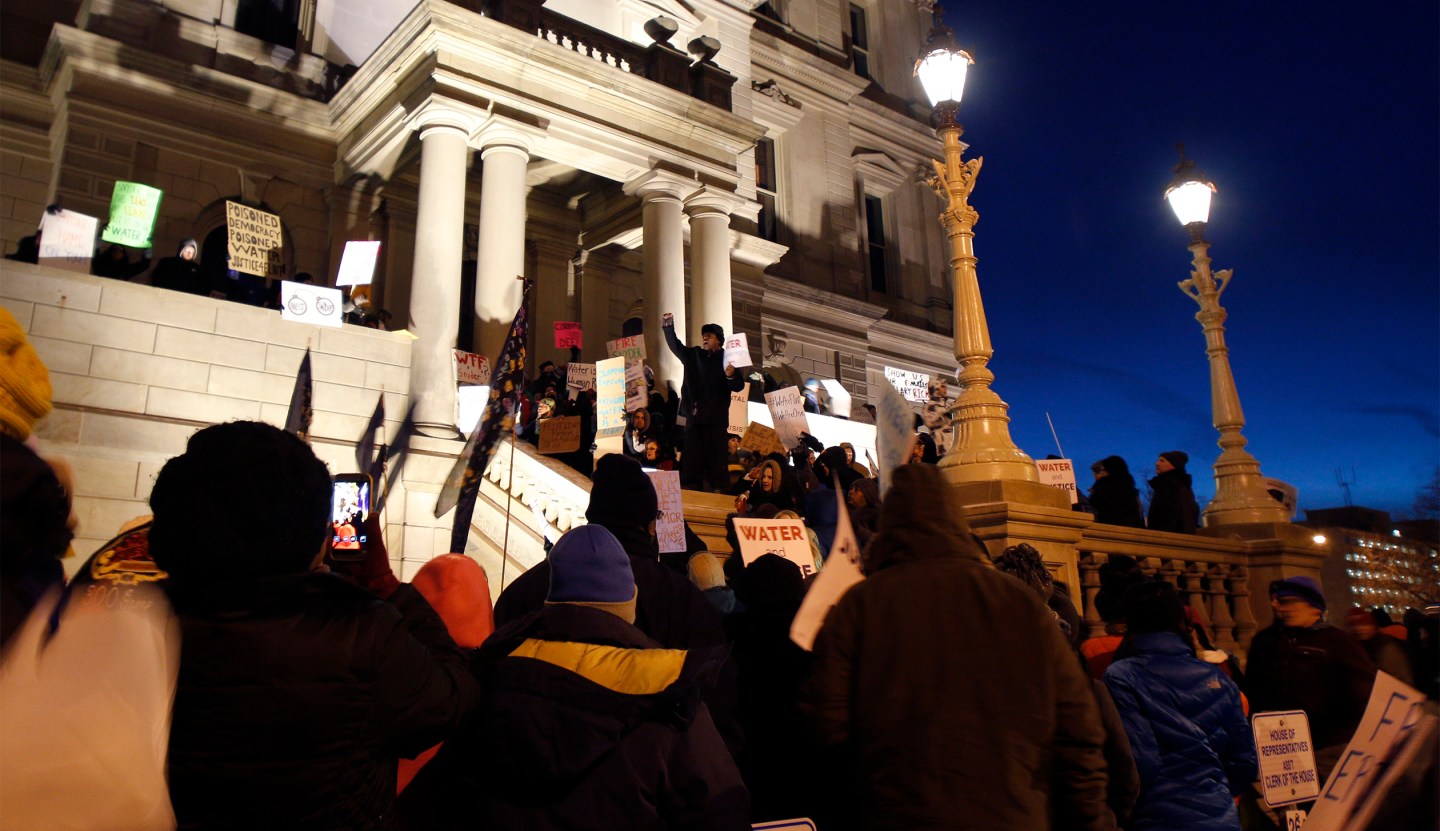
x: 255, y: 240
x: 1287, y: 759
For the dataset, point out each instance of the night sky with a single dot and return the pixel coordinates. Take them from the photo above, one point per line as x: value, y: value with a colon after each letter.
x: 1319, y: 123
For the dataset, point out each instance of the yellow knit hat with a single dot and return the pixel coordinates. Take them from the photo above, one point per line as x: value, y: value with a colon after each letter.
x: 24, y: 382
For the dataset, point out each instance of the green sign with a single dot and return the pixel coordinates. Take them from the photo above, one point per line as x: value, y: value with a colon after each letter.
x: 133, y: 209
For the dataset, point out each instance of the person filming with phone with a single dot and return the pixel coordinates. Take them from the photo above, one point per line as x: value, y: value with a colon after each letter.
x: 705, y: 405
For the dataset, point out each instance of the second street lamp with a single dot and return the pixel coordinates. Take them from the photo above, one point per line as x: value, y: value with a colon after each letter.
x: 1240, y: 494
x: 982, y: 449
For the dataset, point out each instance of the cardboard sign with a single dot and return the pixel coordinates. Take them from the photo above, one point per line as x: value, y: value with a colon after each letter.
x: 783, y: 537
x: 894, y: 433
x: 357, y: 263
x: 560, y: 434
x: 255, y: 240
x: 1394, y: 711
x: 739, y: 412
x: 912, y: 386
x: 737, y: 351
x: 610, y: 397
x: 1058, y: 473
x: 580, y: 377
x: 67, y: 240
x: 567, y: 334
x: 471, y: 368
x: 133, y: 208
x: 841, y: 571
x: 1287, y: 758
x: 787, y: 409
x: 761, y: 440
x: 637, y: 393
x: 631, y: 348
x: 670, y: 525
x: 304, y: 303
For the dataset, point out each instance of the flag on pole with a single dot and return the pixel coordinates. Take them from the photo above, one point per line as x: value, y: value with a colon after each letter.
x: 365, y: 445
x: 392, y: 456
x: 506, y: 380
x: 297, y: 420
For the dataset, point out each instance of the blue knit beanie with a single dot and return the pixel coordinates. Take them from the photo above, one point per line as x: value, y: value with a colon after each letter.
x: 588, y: 565
x: 1305, y: 588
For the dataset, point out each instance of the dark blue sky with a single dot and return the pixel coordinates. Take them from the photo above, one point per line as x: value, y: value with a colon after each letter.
x: 1320, y: 125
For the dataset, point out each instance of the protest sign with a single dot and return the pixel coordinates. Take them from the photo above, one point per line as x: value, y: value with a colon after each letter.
x: 894, y: 433
x: 1058, y: 473
x: 304, y: 303
x: 631, y: 348
x: 255, y: 240
x: 670, y: 525
x: 739, y: 411
x: 1392, y: 715
x: 1287, y: 758
x: 637, y: 394
x: 782, y: 537
x: 67, y: 240
x: 357, y: 263
x: 580, y: 377
x: 839, y: 397
x: 133, y: 208
x: 787, y: 408
x: 567, y: 334
x: 471, y: 368
x: 737, y: 351
x: 560, y: 434
x: 841, y: 571
x: 760, y: 440
x: 610, y: 399
x: 912, y: 386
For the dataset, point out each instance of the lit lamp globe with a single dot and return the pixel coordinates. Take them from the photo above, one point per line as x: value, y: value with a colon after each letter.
x: 942, y: 68
x: 1189, y: 196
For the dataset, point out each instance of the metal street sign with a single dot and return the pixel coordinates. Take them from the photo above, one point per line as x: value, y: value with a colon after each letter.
x: 1287, y: 758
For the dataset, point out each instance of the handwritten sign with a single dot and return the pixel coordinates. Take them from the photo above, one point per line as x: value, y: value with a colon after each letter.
x: 631, y: 348
x: 580, y: 377
x: 560, y: 434
x: 567, y: 334
x: 133, y: 208
x: 67, y: 240
x: 841, y: 571
x: 787, y: 410
x: 761, y: 440
x: 912, y: 386
x: 737, y: 351
x: 637, y: 393
x: 304, y: 303
x: 670, y: 525
x: 610, y: 397
x: 255, y: 240
x: 783, y: 537
x: 1287, y: 757
x: 739, y: 410
x: 1058, y: 473
x: 471, y: 368
x: 357, y: 263
x: 894, y: 433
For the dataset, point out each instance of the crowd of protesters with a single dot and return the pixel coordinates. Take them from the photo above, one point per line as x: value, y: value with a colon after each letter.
x: 613, y: 687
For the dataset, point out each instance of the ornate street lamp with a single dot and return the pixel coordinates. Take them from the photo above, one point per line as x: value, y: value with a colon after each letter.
x: 1240, y: 495
x: 982, y: 449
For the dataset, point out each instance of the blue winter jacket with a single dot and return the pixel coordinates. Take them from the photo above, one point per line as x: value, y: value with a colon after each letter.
x: 1188, y: 734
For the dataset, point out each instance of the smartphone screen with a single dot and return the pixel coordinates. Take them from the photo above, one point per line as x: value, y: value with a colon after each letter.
x: 349, y: 510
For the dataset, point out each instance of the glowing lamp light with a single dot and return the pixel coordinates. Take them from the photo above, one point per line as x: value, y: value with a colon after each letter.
x: 1319, y: 539
x: 1189, y: 192
x: 942, y: 68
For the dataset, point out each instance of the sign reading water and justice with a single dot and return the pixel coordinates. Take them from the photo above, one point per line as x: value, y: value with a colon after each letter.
x: 255, y: 240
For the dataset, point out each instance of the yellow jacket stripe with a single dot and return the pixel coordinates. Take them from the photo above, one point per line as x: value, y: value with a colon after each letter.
x: 627, y: 671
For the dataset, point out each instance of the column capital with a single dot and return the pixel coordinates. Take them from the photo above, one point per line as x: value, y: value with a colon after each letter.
x: 710, y: 200
x: 497, y: 131
x: 435, y: 116
x: 657, y: 184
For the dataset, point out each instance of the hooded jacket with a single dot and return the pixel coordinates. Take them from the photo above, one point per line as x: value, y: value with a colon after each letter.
x: 584, y: 723
x: 1114, y: 497
x: 950, y: 685
x: 1172, y: 503
x: 1188, y: 735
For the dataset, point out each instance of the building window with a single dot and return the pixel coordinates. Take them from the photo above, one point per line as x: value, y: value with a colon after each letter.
x: 273, y: 21
x: 875, y: 243
x: 859, y: 42
x: 765, y: 189
x: 770, y: 9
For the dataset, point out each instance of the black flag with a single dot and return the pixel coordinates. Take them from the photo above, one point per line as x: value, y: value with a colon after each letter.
x: 365, y: 445
x: 297, y: 420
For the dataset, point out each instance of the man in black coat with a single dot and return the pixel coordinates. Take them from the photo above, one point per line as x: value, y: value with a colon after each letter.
x: 705, y: 404
x: 1172, y: 502
x: 297, y: 691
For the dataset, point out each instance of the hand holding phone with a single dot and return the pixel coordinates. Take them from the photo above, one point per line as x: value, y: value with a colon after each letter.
x: 350, y: 502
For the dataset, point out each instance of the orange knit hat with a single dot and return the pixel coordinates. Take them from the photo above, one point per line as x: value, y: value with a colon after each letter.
x: 460, y: 592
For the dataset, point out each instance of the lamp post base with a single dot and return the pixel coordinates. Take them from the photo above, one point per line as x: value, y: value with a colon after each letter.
x: 983, y: 450
x: 1240, y: 495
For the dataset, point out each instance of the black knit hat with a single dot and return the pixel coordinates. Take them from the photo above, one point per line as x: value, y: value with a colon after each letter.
x: 621, y: 495
x: 713, y: 329
x: 1178, y: 458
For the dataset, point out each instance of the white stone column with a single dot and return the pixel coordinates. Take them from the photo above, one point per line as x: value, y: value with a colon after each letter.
x: 663, y: 265
x: 505, y: 152
x: 709, y: 209
x: 435, y: 280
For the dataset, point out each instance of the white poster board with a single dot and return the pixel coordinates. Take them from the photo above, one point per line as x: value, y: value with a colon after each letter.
x: 1060, y: 474
x: 610, y: 397
x: 304, y: 303
x: 912, y: 386
x: 670, y: 525
x: 739, y: 416
x: 737, y: 351
x: 67, y: 240
x: 255, y: 240
x: 841, y: 571
x: 631, y: 348
x: 1287, y: 757
x: 839, y: 397
x: 787, y: 409
x: 637, y: 394
x: 357, y: 263
x: 894, y: 434
x: 579, y: 377
x: 782, y: 537
x: 470, y: 368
